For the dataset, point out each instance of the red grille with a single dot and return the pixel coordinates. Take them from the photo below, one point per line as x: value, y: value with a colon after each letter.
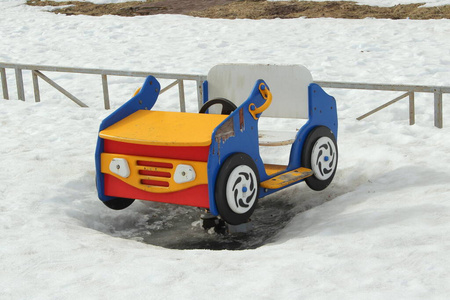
x: 154, y: 173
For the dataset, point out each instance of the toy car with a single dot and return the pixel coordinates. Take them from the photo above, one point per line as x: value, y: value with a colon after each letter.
x: 212, y: 161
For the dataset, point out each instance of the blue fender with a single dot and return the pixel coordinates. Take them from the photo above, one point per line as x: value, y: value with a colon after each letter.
x: 322, y: 112
x: 237, y: 133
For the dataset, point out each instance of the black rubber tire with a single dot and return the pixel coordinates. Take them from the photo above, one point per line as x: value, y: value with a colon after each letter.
x: 321, y: 131
x: 118, y: 203
x: 225, y: 211
x: 227, y: 106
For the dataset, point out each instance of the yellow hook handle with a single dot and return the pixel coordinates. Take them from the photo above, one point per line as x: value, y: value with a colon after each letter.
x: 137, y: 91
x: 267, y: 95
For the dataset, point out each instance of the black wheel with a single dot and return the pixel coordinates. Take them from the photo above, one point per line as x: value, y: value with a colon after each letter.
x: 320, y: 154
x: 237, y: 189
x: 227, y: 106
x: 118, y: 203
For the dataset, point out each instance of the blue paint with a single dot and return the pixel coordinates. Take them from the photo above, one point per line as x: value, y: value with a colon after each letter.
x: 205, y: 91
x: 322, y: 112
x: 245, y: 140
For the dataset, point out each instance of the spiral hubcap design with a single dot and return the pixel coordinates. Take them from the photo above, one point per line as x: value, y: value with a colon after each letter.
x: 323, y: 158
x: 241, y: 189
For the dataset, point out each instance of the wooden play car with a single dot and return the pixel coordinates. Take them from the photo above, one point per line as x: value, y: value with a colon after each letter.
x: 213, y: 161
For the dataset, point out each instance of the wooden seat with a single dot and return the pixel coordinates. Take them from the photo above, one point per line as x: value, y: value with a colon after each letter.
x: 276, y: 138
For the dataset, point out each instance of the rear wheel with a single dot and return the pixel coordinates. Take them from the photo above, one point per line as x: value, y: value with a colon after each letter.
x: 237, y: 189
x: 227, y: 106
x: 320, y: 154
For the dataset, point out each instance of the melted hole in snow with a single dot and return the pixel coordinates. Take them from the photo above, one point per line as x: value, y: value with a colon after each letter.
x: 180, y: 227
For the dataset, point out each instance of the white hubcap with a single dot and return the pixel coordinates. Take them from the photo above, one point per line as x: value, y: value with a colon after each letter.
x: 241, y: 189
x: 323, y: 158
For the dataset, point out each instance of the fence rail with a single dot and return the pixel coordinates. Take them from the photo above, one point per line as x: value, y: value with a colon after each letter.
x: 410, y: 90
x: 37, y: 72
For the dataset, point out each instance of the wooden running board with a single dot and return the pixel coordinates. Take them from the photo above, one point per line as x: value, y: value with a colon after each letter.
x: 287, y: 178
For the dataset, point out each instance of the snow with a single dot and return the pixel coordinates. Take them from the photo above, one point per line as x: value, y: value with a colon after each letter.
x: 379, y: 231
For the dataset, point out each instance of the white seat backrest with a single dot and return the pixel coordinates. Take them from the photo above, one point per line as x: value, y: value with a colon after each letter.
x: 288, y: 84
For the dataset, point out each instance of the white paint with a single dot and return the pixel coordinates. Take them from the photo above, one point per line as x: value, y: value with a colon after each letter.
x: 184, y: 173
x: 288, y: 85
x: 241, y: 189
x: 120, y: 167
x: 276, y: 138
x: 323, y: 158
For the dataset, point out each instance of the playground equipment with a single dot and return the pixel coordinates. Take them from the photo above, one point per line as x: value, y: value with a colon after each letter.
x: 212, y: 161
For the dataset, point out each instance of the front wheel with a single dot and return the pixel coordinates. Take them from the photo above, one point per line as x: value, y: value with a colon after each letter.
x: 237, y: 189
x: 118, y: 203
x: 320, y: 154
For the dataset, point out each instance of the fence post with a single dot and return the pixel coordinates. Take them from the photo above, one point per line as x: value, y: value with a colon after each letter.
x: 19, y: 84
x: 4, y: 83
x: 181, y: 94
x: 438, y: 109
x: 37, y: 96
x: 199, y: 93
x: 412, y: 109
x: 105, y: 91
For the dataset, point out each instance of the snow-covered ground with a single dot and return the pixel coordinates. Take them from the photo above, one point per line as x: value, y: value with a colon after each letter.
x: 380, y: 231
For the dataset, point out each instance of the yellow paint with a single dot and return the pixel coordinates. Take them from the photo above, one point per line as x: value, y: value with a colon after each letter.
x: 137, y: 91
x: 135, y: 178
x: 273, y: 169
x: 267, y: 95
x: 287, y: 178
x: 164, y: 128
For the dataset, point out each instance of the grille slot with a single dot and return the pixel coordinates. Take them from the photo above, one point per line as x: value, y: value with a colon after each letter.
x: 154, y: 173
x: 155, y: 183
x: 155, y: 164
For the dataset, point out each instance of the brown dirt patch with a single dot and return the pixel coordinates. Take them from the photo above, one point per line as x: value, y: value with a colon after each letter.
x: 250, y: 9
x: 132, y: 8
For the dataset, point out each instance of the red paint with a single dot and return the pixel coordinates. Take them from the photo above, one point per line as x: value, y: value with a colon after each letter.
x: 155, y: 173
x: 196, y: 196
x: 182, y: 153
x: 154, y: 164
x: 155, y: 183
